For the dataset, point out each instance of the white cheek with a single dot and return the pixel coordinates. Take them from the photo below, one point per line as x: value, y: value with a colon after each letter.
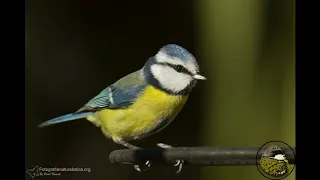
x: 169, y: 78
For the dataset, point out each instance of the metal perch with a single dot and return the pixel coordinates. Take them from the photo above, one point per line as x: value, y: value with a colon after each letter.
x: 199, y: 156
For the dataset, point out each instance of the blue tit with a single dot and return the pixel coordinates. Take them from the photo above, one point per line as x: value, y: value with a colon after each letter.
x: 143, y: 102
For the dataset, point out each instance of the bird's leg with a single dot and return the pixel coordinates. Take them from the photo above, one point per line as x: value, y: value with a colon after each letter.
x: 123, y: 143
x: 179, y: 162
x: 130, y: 146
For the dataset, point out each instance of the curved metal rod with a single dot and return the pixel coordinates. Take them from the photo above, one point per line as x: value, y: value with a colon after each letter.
x: 199, y: 156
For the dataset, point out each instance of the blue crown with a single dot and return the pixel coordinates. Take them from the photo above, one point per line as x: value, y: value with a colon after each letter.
x: 174, y: 50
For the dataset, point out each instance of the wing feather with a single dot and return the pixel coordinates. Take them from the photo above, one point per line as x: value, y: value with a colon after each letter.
x: 118, y: 95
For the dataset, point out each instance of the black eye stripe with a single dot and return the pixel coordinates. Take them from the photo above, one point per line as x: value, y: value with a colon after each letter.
x: 183, y: 69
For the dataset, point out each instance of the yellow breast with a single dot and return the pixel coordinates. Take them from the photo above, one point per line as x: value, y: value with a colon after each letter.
x: 142, y: 117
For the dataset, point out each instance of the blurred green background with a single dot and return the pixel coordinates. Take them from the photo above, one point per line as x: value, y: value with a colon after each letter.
x: 74, y: 49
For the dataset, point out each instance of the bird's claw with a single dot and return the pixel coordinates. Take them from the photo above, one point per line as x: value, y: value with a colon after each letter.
x: 179, y: 163
x: 147, y: 164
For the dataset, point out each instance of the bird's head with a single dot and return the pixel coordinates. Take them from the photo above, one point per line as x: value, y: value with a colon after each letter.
x: 173, y: 69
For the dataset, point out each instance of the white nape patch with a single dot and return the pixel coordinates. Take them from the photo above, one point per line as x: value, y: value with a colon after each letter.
x: 111, y: 96
x: 164, y: 58
x: 169, y: 78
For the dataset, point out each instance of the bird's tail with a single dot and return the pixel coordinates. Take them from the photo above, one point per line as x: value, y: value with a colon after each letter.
x: 64, y: 118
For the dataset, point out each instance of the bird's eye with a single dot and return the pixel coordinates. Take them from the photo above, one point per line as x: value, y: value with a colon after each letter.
x: 178, y: 68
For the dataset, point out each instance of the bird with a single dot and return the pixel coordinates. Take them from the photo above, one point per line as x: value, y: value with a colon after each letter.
x: 143, y: 102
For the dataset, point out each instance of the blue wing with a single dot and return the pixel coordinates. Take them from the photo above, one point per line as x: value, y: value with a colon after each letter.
x: 119, y: 95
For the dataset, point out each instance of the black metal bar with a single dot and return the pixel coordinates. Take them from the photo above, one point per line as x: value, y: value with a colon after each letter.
x: 200, y: 156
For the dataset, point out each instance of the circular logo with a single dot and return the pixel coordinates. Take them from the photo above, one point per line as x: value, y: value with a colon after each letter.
x: 275, y: 160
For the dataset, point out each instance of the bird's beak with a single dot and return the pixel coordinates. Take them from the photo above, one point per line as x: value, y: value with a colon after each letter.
x: 199, y: 77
